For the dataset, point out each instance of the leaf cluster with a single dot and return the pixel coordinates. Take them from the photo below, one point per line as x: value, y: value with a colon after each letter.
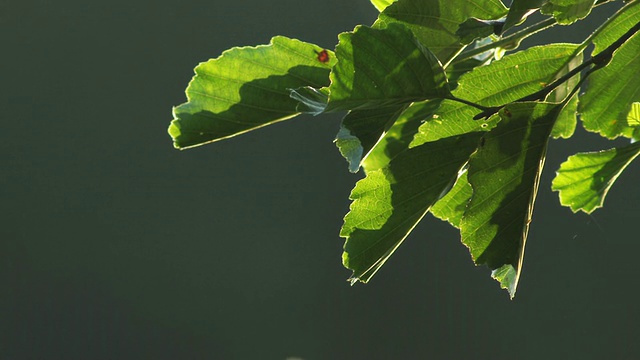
x: 444, y: 113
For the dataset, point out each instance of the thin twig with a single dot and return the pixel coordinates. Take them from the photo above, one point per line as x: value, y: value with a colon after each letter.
x: 598, y: 61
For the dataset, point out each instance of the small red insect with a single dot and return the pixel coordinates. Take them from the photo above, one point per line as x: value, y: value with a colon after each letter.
x: 323, y: 56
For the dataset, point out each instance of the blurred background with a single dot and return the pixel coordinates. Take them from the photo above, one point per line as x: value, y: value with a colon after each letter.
x: 114, y: 245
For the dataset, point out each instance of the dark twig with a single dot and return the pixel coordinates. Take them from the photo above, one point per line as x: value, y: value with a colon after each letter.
x: 598, y: 61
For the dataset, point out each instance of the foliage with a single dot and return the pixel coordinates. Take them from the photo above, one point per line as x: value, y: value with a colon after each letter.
x: 439, y: 118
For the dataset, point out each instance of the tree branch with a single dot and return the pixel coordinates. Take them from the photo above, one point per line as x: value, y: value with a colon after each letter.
x: 597, y: 62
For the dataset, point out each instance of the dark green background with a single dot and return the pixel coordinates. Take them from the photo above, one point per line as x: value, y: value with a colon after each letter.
x: 113, y: 245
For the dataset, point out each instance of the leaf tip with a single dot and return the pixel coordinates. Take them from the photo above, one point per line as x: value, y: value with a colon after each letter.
x: 507, y: 275
x: 353, y: 280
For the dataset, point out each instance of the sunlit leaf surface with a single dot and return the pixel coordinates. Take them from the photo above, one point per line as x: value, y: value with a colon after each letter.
x: 361, y: 130
x: 496, y: 84
x: 381, y: 4
x: 504, y: 174
x: 568, y: 11
x: 585, y: 178
x: 247, y: 88
x: 389, y: 202
x: 381, y: 68
x: 620, y: 23
x: 435, y: 22
x: 611, y: 91
x: 397, y: 139
x: 633, y: 117
x: 568, y: 117
x: 452, y: 206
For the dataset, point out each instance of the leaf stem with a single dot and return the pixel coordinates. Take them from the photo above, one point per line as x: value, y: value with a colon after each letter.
x: 467, y: 102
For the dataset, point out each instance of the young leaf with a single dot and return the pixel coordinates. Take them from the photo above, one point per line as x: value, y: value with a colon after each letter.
x: 247, y: 88
x: 504, y: 174
x: 389, y: 202
x: 383, y: 67
x: 435, y: 22
x: 585, y: 178
x: 611, y: 91
x: 567, y: 12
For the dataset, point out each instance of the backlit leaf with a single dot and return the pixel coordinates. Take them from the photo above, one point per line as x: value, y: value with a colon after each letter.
x: 519, y: 11
x: 567, y: 11
x: 504, y: 174
x: 383, y: 67
x: 611, y: 91
x: 585, y: 178
x: 498, y: 83
x: 633, y: 117
x: 381, y: 4
x: 389, y: 202
x: 397, y: 139
x: 246, y: 88
x: 435, y: 22
x: 623, y: 20
x: 568, y: 117
x: 453, y: 205
x: 361, y: 130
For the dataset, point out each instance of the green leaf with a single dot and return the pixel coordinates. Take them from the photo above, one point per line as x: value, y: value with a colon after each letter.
x: 568, y: 119
x: 361, y: 130
x: 516, y: 75
x: 246, y: 88
x: 567, y: 11
x: 501, y: 82
x: 504, y: 174
x: 473, y: 29
x: 435, y: 22
x: 381, y: 4
x: 399, y: 136
x: 633, y: 117
x: 623, y: 20
x: 452, y: 206
x: 452, y: 118
x: 611, y: 91
x: 383, y: 67
x: 585, y: 178
x: 519, y: 11
x: 456, y: 70
x: 389, y: 202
